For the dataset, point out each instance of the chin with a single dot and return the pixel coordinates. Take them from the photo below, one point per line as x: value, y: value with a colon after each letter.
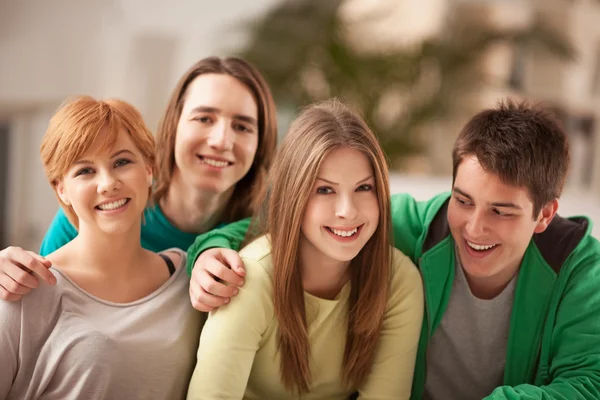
x: 343, y: 257
x: 475, y: 271
x: 117, y: 228
x: 211, y: 187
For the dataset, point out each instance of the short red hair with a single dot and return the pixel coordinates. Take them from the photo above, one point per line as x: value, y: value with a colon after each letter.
x: 77, y: 125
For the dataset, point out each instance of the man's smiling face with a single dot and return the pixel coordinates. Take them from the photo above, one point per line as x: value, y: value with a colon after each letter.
x: 492, y: 224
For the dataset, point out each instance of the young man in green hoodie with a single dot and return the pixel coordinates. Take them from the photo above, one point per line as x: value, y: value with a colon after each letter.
x: 511, y: 288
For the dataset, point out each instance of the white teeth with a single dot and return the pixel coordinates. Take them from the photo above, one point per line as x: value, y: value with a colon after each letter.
x: 344, y: 233
x: 480, y: 248
x: 112, y: 206
x: 214, y: 163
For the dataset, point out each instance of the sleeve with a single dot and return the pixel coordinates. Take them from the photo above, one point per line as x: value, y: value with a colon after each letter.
x: 392, y: 372
x: 10, y: 333
x: 230, y: 339
x: 59, y: 233
x: 574, y: 361
x: 230, y: 236
x: 410, y: 220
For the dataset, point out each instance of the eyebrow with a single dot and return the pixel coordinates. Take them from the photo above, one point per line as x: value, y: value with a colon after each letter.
x: 112, y: 156
x: 495, y: 204
x: 335, y: 183
x: 214, y: 110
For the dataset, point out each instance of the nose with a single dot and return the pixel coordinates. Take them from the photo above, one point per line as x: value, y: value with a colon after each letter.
x: 345, y: 208
x: 476, y: 224
x: 221, y: 137
x: 108, y: 182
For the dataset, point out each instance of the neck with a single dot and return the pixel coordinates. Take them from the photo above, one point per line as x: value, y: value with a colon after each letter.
x: 192, y: 210
x: 490, y: 287
x: 322, y: 276
x: 110, y: 255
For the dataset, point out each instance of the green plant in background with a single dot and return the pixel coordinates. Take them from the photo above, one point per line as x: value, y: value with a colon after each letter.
x: 306, y: 54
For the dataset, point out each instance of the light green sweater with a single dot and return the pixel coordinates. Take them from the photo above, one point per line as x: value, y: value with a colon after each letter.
x: 238, y: 356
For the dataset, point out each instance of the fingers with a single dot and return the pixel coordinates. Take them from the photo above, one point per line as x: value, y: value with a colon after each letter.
x: 232, y: 259
x: 206, y: 281
x: 19, y: 275
x: 12, y: 287
x: 39, y: 265
x: 203, y: 301
x: 216, y: 262
x: 16, y: 272
x: 7, y: 296
x: 19, y: 264
x: 213, y: 283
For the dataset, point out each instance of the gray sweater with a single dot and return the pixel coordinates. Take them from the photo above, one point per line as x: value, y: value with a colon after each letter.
x: 63, y: 343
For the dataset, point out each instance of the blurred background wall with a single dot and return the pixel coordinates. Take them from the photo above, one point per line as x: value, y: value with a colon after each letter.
x: 416, y: 69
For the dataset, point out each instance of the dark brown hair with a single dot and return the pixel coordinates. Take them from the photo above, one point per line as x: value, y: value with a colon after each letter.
x: 247, y: 191
x: 524, y: 145
x: 317, y: 131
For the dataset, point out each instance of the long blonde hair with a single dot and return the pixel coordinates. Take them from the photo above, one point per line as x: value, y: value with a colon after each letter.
x: 314, y: 134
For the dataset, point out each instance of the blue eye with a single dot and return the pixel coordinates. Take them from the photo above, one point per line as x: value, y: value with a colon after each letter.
x: 84, y: 171
x: 324, y: 190
x: 122, y: 161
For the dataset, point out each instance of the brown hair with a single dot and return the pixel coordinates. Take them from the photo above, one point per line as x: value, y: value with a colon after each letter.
x: 523, y: 144
x: 76, y: 126
x: 319, y: 130
x: 244, y: 200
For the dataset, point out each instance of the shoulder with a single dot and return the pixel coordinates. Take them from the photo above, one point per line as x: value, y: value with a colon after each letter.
x: 258, y: 262
x: 405, y: 277
x: 403, y: 267
x: 418, y: 225
x: 37, y: 308
x: 258, y: 254
x: 405, y: 299
x: 176, y: 256
x: 567, y: 242
x: 407, y: 203
x: 43, y: 301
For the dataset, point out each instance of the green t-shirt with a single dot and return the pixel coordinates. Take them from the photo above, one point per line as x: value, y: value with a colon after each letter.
x: 158, y: 233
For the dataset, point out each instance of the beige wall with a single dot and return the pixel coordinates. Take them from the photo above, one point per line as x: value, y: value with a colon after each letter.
x: 30, y: 200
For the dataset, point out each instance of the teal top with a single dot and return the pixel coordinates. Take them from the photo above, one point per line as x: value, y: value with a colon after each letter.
x: 158, y: 233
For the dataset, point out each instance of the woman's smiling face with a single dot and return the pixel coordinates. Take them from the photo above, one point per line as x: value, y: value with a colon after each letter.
x: 108, y: 188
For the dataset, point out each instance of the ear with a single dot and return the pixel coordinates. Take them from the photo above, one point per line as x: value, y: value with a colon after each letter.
x: 546, y: 214
x: 60, y: 189
x: 149, y: 175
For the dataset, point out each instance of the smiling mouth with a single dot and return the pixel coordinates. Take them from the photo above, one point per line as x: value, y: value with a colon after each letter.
x: 480, y: 247
x: 213, y: 162
x: 114, y: 205
x: 344, y: 233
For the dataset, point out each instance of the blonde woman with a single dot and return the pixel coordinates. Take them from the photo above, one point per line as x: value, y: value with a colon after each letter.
x: 118, y: 323
x: 328, y: 307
